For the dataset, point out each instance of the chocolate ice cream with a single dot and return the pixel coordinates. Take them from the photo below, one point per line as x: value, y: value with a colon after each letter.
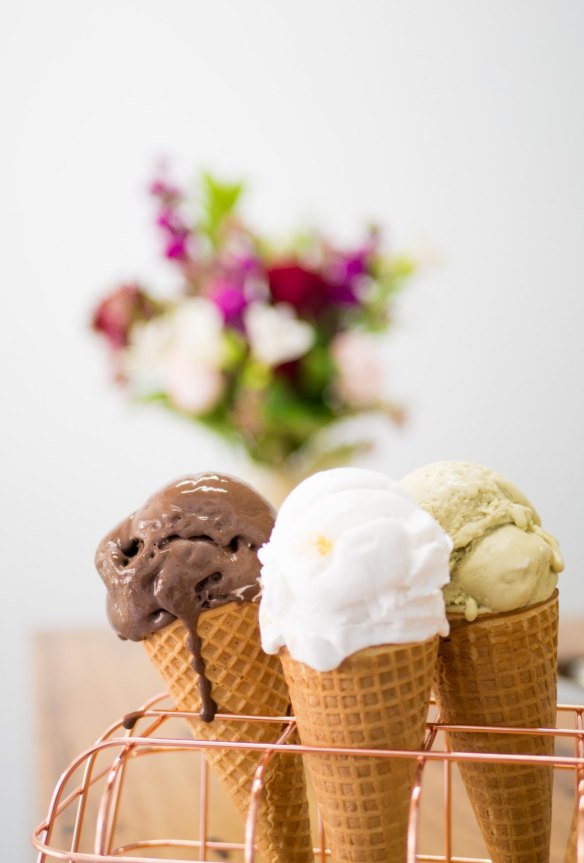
x: 192, y: 546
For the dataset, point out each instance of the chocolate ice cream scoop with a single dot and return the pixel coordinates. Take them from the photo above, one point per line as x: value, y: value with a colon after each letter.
x: 192, y: 546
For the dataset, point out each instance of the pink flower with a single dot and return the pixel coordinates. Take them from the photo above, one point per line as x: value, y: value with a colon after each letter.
x: 346, y: 269
x: 360, y: 369
x: 176, y: 247
x: 175, y: 231
x: 161, y: 188
x: 116, y: 314
x: 230, y: 299
x: 192, y: 386
x: 169, y: 219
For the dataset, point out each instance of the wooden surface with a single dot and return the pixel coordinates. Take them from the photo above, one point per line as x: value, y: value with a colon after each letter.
x: 570, y: 640
x: 85, y: 680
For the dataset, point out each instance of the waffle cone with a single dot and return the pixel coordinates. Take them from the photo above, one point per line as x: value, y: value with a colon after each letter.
x: 244, y: 680
x: 502, y: 670
x: 376, y: 698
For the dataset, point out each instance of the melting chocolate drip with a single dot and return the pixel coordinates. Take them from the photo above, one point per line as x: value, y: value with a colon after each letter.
x: 130, y: 719
x: 207, y: 596
x: 190, y: 547
x: 208, y: 704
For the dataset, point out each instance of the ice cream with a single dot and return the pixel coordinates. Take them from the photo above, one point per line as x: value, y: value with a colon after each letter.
x: 191, y: 546
x: 498, y: 665
x: 353, y: 562
x: 502, y: 558
x: 351, y: 599
x: 182, y: 577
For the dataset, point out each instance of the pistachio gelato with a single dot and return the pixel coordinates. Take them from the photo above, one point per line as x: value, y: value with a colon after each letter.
x: 502, y: 559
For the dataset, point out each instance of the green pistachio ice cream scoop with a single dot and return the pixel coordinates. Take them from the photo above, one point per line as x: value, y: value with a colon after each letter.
x: 502, y: 558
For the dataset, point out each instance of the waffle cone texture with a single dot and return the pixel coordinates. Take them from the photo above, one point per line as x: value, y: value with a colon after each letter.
x: 377, y: 698
x: 502, y: 670
x: 244, y: 680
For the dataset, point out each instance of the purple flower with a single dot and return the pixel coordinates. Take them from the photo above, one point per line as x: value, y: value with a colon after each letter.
x: 230, y: 299
x: 355, y: 265
x: 345, y: 272
x: 176, y: 233
x: 160, y: 188
x: 343, y: 294
x: 170, y: 220
x: 247, y: 263
x: 176, y: 247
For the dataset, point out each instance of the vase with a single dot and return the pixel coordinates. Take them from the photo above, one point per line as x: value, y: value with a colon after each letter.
x: 273, y: 483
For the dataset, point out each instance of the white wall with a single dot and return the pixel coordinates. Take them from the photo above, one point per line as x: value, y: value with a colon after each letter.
x: 454, y: 123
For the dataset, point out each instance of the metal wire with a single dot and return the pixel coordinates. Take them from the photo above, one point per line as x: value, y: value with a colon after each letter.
x: 580, y: 787
x: 138, y: 735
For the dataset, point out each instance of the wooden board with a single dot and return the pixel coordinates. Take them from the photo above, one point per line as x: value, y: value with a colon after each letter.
x: 87, y: 679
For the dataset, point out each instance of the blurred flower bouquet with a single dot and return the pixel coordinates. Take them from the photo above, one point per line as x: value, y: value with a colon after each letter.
x: 267, y: 344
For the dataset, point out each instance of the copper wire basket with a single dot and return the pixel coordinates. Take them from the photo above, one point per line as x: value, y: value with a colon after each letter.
x: 93, y: 792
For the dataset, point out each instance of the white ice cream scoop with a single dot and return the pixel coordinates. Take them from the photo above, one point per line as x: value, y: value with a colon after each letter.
x: 352, y: 562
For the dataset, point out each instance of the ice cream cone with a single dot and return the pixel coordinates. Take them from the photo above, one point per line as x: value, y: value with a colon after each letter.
x: 501, y: 670
x: 376, y: 698
x: 244, y: 680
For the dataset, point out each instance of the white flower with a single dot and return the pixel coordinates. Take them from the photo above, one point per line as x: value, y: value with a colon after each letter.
x: 275, y: 333
x: 143, y: 361
x: 179, y: 353
x: 192, y: 386
x: 198, y: 331
x: 360, y: 368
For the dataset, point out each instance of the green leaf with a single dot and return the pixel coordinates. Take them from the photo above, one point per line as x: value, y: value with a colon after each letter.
x: 150, y: 398
x: 220, y: 423
x: 255, y: 376
x: 218, y: 202
x: 317, y: 371
x: 389, y: 277
x: 287, y: 415
x: 234, y: 350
